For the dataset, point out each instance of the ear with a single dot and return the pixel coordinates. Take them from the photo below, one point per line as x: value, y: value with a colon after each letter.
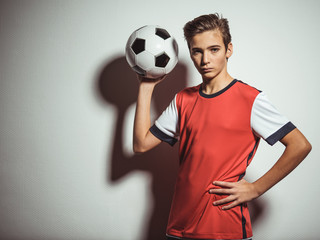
x: 229, y: 50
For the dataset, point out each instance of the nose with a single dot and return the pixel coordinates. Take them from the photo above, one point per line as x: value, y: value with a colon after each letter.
x: 205, y: 59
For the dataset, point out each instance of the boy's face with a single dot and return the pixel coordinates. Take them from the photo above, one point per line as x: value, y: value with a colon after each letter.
x: 209, y: 55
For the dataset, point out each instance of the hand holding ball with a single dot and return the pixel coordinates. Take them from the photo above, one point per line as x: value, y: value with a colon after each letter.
x: 151, y: 52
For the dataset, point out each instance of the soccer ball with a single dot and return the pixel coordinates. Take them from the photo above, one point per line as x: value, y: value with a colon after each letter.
x: 151, y: 51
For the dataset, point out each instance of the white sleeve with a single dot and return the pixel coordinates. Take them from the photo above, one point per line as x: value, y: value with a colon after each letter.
x: 267, y: 122
x: 166, y: 127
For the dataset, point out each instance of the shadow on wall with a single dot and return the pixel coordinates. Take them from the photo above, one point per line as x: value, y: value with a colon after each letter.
x: 117, y: 85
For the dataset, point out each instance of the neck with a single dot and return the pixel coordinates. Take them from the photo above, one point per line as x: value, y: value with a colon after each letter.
x: 211, y: 86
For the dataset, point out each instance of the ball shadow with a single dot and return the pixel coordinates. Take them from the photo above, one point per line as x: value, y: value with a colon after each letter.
x: 117, y: 84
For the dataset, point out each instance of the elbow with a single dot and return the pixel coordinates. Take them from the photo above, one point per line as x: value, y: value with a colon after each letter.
x: 138, y: 144
x: 308, y: 147
x: 138, y: 148
x: 305, y: 147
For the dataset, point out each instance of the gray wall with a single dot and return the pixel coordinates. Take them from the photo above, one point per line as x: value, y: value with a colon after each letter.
x: 67, y: 103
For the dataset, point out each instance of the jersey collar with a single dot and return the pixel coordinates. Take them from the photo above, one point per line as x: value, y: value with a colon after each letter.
x: 202, y: 94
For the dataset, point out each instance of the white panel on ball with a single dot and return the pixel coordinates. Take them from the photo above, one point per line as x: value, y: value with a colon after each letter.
x: 171, y: 47
x: 155, y: 45
x: 156, y: 72
x: 145, y: 60
x: 130, y: 56
x: 146, y: 31
x: 172, y: 51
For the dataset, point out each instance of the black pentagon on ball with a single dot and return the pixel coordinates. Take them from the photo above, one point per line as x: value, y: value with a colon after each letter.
x: 162, y: 33
x: 138, y: 45
x: 139, y: 70
x: 162, y: 60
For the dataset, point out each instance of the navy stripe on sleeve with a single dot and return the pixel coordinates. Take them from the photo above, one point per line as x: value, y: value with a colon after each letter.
x: 162, y: 136
x: 280, y: 133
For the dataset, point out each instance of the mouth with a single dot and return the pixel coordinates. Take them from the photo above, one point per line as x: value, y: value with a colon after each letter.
x: 206, y: 70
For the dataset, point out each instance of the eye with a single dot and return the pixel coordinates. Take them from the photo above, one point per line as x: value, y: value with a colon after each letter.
x: 196, y: 52
x: 215, y: 50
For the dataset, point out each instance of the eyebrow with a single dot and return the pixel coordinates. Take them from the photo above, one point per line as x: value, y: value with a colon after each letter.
x: 212, y: 46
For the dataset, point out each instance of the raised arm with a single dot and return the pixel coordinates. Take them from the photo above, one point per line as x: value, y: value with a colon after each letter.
x: 143, y: 139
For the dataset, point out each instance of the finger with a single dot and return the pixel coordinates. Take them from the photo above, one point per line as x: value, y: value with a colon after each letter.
x: 221, y: 191
x: 162, y: 77
x: 224, y: 201
x: 232, y: 205
x: 142, y: 78
x: 223, y: 184
x: 158, y: 80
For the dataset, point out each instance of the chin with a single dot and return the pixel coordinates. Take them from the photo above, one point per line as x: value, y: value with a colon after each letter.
x: 208, y: 77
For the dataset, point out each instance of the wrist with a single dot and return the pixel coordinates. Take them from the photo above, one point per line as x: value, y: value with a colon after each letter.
x: 147, y: 85
x: 150, y: 81
x: 146, y: 89
x: 257, y: 189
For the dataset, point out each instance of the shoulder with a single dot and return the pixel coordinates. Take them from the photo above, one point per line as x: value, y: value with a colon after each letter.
x: 187, y: 96
x: 245, y: 86
x: 247, y: 90
x: 189, y: 92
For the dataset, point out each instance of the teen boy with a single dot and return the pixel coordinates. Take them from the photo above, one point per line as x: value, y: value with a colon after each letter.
x: 218, y: 125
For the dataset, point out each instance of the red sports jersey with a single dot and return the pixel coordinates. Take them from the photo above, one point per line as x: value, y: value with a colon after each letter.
x: 218, y: 135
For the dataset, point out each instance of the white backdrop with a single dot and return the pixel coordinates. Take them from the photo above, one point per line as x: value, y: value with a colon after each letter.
x: 67, y: 104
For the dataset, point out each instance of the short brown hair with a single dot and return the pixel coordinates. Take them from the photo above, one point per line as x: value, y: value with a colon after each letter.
x: 206, y: 23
